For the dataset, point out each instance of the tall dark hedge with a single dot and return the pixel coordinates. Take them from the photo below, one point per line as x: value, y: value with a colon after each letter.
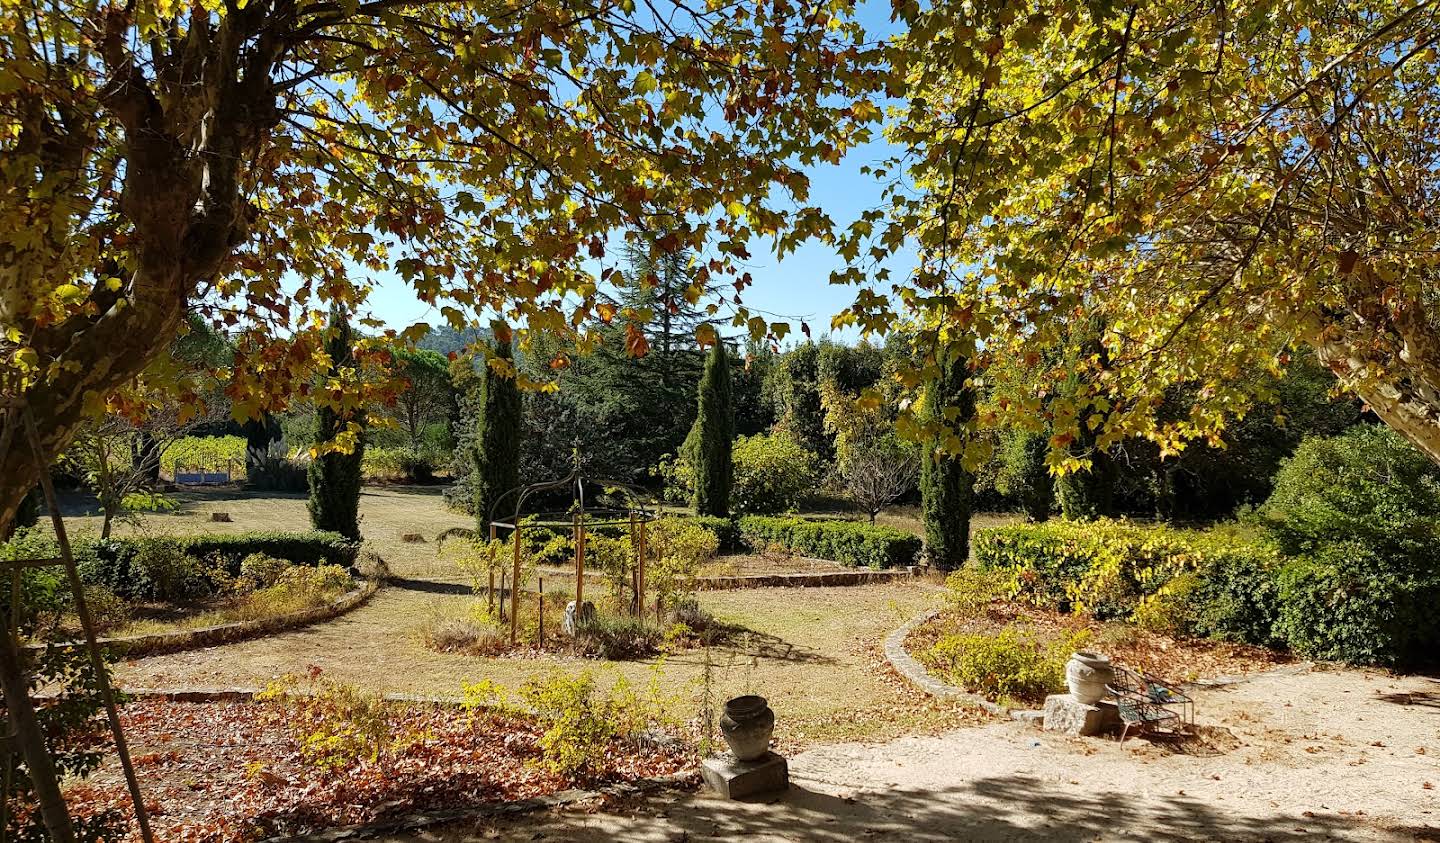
x: 496, y: 467
x: 945, y: 485
x: 335, y: 477
x: 715, y: 432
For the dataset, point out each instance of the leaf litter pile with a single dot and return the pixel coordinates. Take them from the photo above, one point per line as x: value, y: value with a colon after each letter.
x: 238, y: 771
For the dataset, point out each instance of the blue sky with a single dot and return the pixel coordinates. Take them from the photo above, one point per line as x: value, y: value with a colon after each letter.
x: 796, y: 288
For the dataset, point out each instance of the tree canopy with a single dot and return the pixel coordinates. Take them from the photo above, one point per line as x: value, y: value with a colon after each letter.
x: 261, y: 160
x: 1219, y: 182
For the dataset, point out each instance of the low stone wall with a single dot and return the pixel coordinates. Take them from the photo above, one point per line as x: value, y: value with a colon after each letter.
x: 154, y: 644
x: 906, y: 665
x: 820, y: 580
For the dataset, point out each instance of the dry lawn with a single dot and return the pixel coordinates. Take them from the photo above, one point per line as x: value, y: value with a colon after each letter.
x: 813, y: 652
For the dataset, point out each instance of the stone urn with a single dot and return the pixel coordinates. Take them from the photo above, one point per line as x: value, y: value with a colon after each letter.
x: 747, y: 726
x: 1087, y: 674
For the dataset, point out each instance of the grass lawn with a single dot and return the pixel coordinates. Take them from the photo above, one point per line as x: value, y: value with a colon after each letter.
x: 813, y: 652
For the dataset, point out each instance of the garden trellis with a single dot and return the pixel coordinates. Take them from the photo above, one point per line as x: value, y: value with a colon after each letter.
x: 615, y: 504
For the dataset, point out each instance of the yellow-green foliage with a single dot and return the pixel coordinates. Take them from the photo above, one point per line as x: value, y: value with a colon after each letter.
x: 970, y: 589
x: 149, y: 502
x: 478, y: 558
x: 259, y: 570
x: 581, y: 719
x: 677, y: 547
x: 1006, y: 665
x: 205, y: 452
x: 1104, y: 567
x: 336, y: 724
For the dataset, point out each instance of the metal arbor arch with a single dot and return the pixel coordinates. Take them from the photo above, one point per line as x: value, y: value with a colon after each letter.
x: 631, y: 506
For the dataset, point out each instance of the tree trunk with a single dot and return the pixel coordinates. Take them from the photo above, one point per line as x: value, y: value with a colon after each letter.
x: 1406, y: 403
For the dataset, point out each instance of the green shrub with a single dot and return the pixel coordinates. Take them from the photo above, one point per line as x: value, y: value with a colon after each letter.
x: 1360, y: 513
x: 1002, y: 666
x: 165, y: 568
x: 1348, y: 603
x: 1367, y: 485
x: 262, y: 570
x: 397, y: 464
x: 170, y: 572
x: 727, y: 532
x: 970, y: 589
x: 850, y: 543
x: 149, y: 502
x: 678, y: 547
x: 1218, y: 583
x: 772, y: 471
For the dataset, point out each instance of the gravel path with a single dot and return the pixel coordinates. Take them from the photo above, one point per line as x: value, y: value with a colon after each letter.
x: 1326, y: 754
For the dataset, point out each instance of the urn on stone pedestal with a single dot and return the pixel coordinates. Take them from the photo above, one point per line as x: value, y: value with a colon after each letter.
x: 1087, y: 674
x: 747, y: 726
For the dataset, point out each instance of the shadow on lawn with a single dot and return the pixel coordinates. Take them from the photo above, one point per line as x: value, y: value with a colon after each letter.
x: 1010, y: 808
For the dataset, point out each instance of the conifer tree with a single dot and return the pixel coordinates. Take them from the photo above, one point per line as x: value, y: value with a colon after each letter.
x: 945, y: 484
x: 335, y: 475
x: 496, y: 468
x: 713, y: 436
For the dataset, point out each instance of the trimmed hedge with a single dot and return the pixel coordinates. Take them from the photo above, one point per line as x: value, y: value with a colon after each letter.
x: 167, y: 567
x: 1217, y: 583
x: 851, y: 543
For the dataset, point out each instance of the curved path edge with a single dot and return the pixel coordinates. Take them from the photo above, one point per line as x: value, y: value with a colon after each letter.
x: 916, y: 674
x: 154, y: 644
x: 907, y: 666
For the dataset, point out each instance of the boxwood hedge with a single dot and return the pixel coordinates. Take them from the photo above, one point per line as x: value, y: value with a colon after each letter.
x: 851, y: 543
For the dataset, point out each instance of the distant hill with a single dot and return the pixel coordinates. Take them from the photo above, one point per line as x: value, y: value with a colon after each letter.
x: 445, y: 339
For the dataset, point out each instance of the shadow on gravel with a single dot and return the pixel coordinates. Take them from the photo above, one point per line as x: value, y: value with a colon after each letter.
x: 1008, y: 808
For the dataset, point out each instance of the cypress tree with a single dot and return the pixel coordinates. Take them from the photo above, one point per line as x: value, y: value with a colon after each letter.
x: 714, y: 435
x: 335, y: 477
x: 496, y: 467
x: 945, y: 485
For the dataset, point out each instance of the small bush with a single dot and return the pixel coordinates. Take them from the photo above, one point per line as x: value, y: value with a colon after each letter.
x: 618, y: 638
x: 275, y: 472
x: 969, y: 590
x: 149, y: 502
x: 108, y: 610
x: 169, y: 572
x: 727, y: 532
x: 262, y: 570
x: 397, y: 464
x: 678, y: 548
x: 851, y: 543
x: 1002, y: 666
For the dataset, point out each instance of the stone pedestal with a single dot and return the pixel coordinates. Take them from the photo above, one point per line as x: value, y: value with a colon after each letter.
x: 1067, y: 715
x: 733, y: 779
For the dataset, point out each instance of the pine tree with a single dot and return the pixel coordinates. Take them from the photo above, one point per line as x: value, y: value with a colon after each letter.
x: 496, y: 468
x: 945, y: 484
x: 335, y: 476
x: 714, y: 434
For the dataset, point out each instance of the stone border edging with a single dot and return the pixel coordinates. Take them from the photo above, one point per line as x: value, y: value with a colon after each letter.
x: 158, y: 643
x: 906, y: 665
x: 421, y: 820
x: 817, y: 580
